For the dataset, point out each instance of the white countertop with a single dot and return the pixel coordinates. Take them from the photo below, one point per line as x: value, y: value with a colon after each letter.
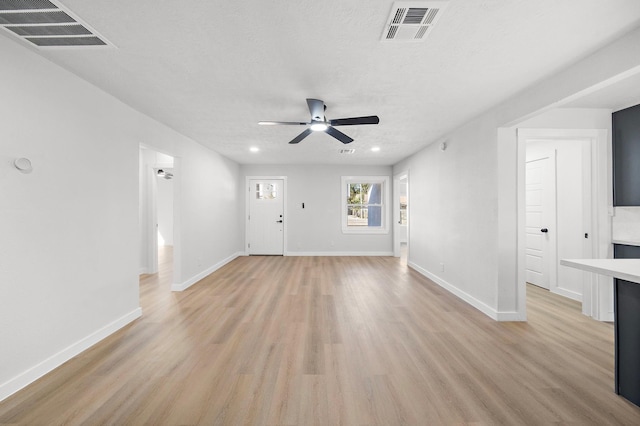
x: 626, y: 242
x: 625, y: 269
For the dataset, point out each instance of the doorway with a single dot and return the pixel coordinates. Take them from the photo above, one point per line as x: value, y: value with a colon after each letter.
x: 557, y: 210
x: 266, y: 219
x: 157, y: 205
x: 401, y: 216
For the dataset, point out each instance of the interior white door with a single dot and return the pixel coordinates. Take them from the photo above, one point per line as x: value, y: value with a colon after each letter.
x: 266, y: 216
x: 540, y: 219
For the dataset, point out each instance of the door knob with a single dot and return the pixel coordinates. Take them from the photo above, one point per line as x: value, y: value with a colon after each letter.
x: 279, y: 221
x: 545, y: 230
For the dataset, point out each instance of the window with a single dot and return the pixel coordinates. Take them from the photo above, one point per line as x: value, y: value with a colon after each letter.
x: 266, y: 191
x: 365, y: 201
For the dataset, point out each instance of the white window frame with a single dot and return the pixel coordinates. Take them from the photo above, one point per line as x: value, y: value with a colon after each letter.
x: 384, y: 181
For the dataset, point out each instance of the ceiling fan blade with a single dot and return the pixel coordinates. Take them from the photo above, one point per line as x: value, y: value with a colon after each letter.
x: 301, y: 136
x: 316, y: 108
x: 288, y: 123
x: 371, y: 119
x: 338, y: 135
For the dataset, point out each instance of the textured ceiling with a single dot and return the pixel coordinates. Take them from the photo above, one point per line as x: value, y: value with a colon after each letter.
x: 211, y: 69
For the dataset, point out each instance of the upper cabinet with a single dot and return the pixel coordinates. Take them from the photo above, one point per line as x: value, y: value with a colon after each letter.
x: 626, y: 157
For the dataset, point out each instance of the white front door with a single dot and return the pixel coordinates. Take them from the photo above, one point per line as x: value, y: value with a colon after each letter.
x: 266, y: 216
x: 540, y: 219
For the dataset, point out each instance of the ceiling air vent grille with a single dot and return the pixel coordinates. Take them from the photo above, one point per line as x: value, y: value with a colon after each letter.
x: 393, y: 29
x: 412, y: 20
x: 347, y: 151
x: 47, y: 24
x: 26, y: 5
x: 398, y: 16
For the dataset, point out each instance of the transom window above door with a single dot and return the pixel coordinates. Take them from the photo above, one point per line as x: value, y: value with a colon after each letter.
x: 266, y: 191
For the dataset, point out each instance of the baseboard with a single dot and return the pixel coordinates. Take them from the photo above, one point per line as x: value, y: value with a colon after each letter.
x: 479, y: 305
x: 510, y: 316
x: 34, y: 373
x: 607, y: 317
x: 339, y: 253
x: 142, y: 271
x: 191, y: 281
x: 568, y: 293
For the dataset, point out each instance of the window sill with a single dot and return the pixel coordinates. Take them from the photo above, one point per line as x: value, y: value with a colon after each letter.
x: 365, y: 231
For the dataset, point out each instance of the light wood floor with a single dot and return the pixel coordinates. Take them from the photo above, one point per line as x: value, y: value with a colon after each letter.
x: 329, y: 341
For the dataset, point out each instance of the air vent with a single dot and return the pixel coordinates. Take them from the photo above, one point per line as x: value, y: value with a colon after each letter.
x: 412, y: 20
x: 50, y: 30
x: 26, y: 5
x: 347, y: 151
x: 66, y: 41
x: 47, y: 24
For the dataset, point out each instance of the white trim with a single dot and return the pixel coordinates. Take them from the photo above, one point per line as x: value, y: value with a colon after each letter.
x: 142, y: 271
x: 340, y: 253
x: 191, y: 281
x: 567, y: 293
x: 34, y: 373
x: 386, y: 201
x: 478, y: 304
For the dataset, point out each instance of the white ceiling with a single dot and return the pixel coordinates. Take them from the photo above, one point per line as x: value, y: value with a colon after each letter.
x: 212, y: 69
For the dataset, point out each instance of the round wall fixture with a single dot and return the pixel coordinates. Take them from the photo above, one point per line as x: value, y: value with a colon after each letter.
x: 443, y: 146
x: 23, y: 164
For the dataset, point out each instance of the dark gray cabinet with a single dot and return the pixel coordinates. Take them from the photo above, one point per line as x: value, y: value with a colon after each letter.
x: 627, y: 330
x: 626, y: 157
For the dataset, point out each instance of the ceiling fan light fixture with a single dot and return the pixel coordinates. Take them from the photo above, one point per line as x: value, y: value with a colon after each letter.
x: 319, y: 126
x: 319, y: 123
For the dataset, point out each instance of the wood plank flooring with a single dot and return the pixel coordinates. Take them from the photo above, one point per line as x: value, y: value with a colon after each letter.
x: 332, y: 341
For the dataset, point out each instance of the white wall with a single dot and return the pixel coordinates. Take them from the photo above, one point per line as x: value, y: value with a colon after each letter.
x: 464, y: 201
x: 317, y: 229
x: 69, y: 255
x: 452, y: 214
x: 146, y: 212
x: 208, y: 224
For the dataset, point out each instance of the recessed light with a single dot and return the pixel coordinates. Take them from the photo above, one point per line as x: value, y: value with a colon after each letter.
x: 375, y: 149
x: 254, y: 149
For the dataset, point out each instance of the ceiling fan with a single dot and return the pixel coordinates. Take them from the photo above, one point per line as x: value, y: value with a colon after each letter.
x: 319, y: 123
